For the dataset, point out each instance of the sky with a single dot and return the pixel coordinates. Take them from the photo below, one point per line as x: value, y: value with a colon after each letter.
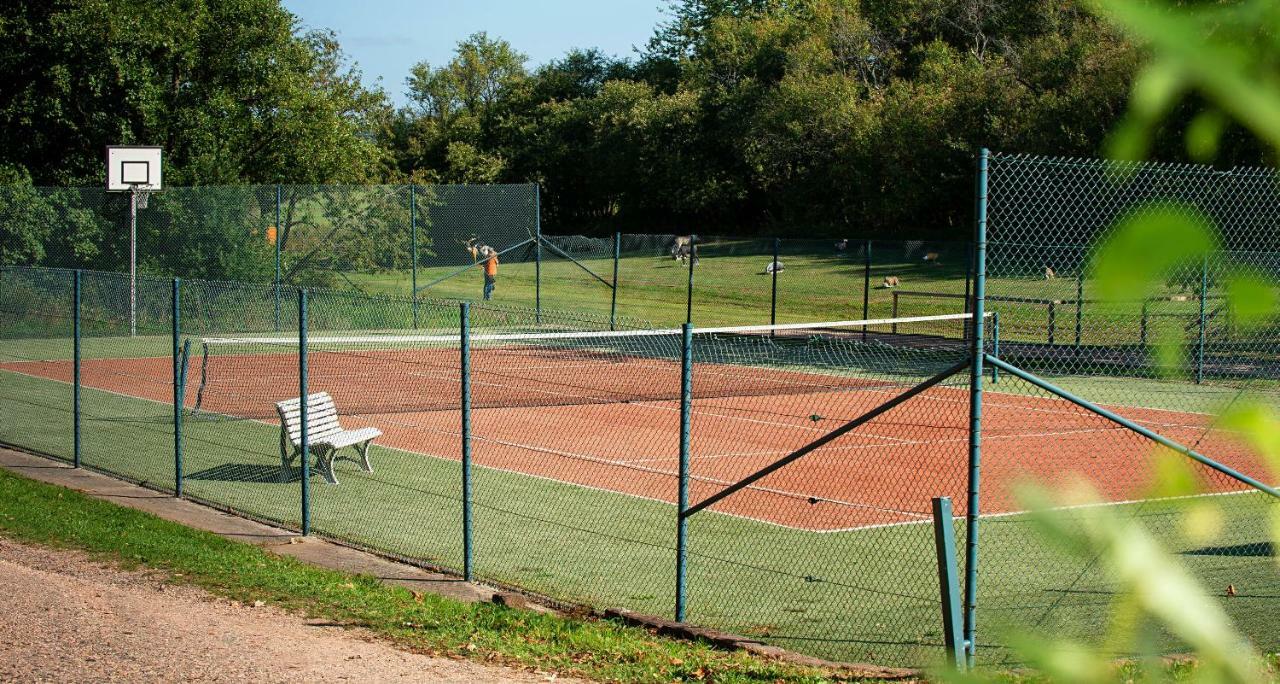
x: 386, y: 37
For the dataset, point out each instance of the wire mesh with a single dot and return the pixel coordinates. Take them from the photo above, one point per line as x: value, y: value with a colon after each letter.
x: 1168, y: 359
x: 36, y: 328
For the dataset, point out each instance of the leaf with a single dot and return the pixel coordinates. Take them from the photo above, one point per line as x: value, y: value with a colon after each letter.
x: 1147, y: 244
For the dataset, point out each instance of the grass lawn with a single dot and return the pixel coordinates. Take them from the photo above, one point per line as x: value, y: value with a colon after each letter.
x: 862, y: 595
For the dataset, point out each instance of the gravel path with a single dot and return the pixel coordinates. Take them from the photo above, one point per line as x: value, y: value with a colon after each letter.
x: 66, y: 618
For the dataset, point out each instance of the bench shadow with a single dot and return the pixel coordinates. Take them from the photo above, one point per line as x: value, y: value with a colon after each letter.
x: 247, y: 472
x: 1259, y: 549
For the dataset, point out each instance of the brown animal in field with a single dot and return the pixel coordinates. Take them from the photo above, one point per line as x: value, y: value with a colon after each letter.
x: 477, y: 249
x: 842, y: 245
x: 1049, y: 274
x: 891, y: 281
x: 931, y: 257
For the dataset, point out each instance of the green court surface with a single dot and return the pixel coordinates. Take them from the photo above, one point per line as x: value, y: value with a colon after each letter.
x: 867, y: 594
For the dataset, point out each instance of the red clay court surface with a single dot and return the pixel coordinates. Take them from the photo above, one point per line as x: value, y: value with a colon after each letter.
x: 883, y: 473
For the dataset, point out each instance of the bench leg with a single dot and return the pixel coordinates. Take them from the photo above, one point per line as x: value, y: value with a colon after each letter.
x: 363, y: 448
x: 286, y: 464
x: 325, y: 461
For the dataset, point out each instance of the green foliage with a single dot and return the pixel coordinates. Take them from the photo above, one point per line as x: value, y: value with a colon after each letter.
x: 231, y: 90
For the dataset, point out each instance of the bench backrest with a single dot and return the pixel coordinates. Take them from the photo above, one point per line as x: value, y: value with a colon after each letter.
x: 322, y: 417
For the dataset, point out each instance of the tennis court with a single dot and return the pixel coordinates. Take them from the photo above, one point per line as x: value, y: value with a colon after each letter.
x: 602, y: 412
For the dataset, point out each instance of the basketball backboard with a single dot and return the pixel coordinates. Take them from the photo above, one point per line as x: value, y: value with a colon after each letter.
x: 131, y: 166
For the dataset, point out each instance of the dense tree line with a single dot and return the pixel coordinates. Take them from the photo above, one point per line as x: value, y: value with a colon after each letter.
x: 793, y: 117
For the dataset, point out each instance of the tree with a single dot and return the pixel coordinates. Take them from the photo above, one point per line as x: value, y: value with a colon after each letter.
x: 229, y: 88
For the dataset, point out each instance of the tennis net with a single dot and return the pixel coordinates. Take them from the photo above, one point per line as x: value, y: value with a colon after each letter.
x: 367, y: 374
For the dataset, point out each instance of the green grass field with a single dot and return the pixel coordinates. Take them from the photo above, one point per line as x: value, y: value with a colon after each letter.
x: 861, y: 595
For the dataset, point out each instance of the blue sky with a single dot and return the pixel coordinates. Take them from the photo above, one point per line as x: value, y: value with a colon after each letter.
x: 386, y: 37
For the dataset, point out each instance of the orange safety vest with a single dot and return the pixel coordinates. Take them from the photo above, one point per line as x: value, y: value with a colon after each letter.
x: 491, y: 266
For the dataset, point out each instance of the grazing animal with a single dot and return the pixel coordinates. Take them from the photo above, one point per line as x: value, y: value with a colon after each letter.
x: 685, y: 247
x: 891, y: 281
x: 842, y: 245
x: 931, y: 257
x: 773, y: 267
x: 1049, y: 274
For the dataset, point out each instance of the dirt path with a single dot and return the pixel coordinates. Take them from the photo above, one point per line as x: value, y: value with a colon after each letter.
x: 66, y: 618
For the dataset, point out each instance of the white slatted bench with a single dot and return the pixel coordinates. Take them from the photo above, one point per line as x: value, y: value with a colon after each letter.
x: 324, y: 435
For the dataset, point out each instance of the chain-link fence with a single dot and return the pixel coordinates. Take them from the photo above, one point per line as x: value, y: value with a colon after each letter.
x: 436, y: 241
x: 1165, y: 360
x: 774, y: 480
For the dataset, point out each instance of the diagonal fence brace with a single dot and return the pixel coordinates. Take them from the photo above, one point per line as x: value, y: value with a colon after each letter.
x: 1130, y: 425
x: 827, y: 438
x: 577, y: 263
x: 468, y: 267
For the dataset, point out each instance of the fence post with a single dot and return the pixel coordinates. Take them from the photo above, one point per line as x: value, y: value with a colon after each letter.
x: 688, y: 297
x: 866, y: 286
x: 682, y: 523
x: 613, y: 298
x: 279, y: 235
x: 303, y: 442
x: 773, y: 296
x: 537, y: 266
x: 75, y: 381
x: 1204, y: 291
x: 465, y: 346
x: 1079, y: 306
x: 177, y: 389
x: 413, y: 248
x: 893, y: 327
x: 975, y: 408
x: 944, y: 540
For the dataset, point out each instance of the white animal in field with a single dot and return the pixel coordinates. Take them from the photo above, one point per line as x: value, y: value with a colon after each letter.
x: 931, y: 257
x: 774, y: 267
x: 891, y: 281
x: 1049, y: 274
x: 842, y: 245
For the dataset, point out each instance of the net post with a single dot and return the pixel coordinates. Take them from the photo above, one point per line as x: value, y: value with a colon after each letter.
x: 279, y: 234
x: 413, y: 249
x: 176, y: 320
x: 1204, y: 291
x: 866, y: 286
x: 893, y: 327
x: 1079, y: 305
x: 995, y: 345
x: 682, y: 521
x: 75, y: 381
x: 975, y: 406
x: 944, y: 539
x: 968, y: 284
x: 688, y: 297
x: 1142, y: 322
x: 465, y: 345
x: 304, y: 443
x: 613, y: 297
x: 537, y: 265
x: 1053, y: 320
x: 773, y: 293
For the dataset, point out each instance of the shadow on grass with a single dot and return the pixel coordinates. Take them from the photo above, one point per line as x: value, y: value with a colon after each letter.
x: 247, y: 472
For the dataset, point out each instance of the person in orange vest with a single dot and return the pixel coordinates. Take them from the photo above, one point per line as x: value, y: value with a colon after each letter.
x: 490, y: 273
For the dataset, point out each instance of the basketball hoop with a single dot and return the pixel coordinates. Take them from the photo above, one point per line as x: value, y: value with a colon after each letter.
x: 141, y: 192
x: 137, y: 171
